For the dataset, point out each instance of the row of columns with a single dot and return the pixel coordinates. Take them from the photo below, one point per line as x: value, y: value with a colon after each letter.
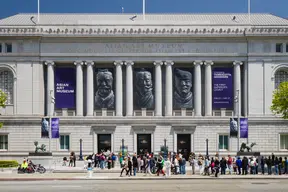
x: 158, y: 87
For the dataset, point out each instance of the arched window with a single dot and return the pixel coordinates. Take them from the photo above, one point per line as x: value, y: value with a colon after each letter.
x: 6, y: 84
x: 281, y: 75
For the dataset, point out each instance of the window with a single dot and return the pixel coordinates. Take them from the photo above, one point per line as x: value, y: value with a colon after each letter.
x: 6, y: 84
x: 279, y: 47
x: 3, y: 142
x: 286, y: 47
x: 0, y: 47
x: 281, y: 75
x: 64, y: 142
x: 223, y: 142
x: 8, y: 47
x: 284, y: 142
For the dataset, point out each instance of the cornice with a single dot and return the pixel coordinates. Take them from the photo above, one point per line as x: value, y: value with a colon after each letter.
x: 142, y: 31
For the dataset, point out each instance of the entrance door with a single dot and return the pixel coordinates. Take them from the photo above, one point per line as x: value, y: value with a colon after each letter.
x: 104, y: 142
x: 184, y: 145
x: 143, y: 143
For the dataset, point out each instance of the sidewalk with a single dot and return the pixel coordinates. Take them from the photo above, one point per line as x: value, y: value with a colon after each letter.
x: 115, y: 176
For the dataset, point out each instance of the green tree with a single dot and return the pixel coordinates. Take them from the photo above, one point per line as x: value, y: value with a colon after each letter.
x: 280, y: 100
x: 3, y: 99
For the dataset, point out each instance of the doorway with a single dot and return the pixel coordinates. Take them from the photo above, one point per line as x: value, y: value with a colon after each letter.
x: 184, y: 145
x: 143, y: 144
x: 104, y: 142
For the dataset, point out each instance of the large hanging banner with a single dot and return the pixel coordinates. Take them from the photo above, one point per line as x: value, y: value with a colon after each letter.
x: 55, y: 128
x: 65, y: 87
x: 233, y: 127
x: 222, y: 88
x: 45, y: 128
x: 243, y: 127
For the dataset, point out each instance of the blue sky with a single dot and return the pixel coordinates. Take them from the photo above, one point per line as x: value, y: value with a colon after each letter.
x: 276, y: 7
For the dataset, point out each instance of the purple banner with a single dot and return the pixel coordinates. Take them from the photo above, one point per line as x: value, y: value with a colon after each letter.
x: 222, y: 88
x: 55, y: 128
x: 65, y: 88
x: 243, y: 127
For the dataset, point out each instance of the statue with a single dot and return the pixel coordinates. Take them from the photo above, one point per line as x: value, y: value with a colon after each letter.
x: 247, y: 147
x: 104, y: 95
x: 37, y: 148
x: 183, y: 97
x: 144, y: 97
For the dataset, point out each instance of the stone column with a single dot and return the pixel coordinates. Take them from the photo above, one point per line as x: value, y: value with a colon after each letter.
x: 158, y: 88
x: 197, y: 88
x: 90, y: 88
x: 245, y: 89
x: 237, y: 85
x: 129, y: 88
x: 79, y: 88
x: 119, y: 88
x: 169, y: 88
x: 50, y: 87
x: 208, y: 88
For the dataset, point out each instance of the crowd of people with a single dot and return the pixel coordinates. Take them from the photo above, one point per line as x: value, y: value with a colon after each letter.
x: 175, y: 163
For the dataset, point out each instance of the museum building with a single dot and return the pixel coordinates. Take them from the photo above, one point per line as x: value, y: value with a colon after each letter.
x: 147, y: 81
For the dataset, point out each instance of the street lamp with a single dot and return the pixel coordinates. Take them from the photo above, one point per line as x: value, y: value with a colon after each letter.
x: 207, y: 152
x: 165, y: 143
x: 122, y: 147
x: 81, y: 155
x: 52, y: 102
x: 237, y: 100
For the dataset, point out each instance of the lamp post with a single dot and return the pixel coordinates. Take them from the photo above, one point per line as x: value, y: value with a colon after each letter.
x: 207, y: 152
x: 81, y: 155
x: 123, y: 146
x: 237, y: 97
x: 52, y: 102
x: 165, y: 142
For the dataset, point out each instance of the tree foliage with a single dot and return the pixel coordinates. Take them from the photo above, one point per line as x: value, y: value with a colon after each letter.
x: 280, y: 100
x: 3, y: 99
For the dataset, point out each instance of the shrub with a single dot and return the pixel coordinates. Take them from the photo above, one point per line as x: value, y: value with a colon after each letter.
x: 8, y: 163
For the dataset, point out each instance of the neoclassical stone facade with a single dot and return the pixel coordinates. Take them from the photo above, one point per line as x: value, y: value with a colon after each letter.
x: 142, y: 81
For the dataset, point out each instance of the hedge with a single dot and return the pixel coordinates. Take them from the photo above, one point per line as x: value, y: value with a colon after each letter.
x: 8, y: 163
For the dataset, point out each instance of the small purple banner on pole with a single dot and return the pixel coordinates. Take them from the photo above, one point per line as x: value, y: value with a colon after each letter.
x: 55, y: 128
x: 45, y: 128
x: 222, y: 79
x: 243, y: 127
x: 65, y: 88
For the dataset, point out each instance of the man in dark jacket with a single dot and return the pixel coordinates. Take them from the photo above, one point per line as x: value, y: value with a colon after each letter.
x: 244, y: 165
x: 269, y: 165
x: 135, y: 164
x: 129, y: 167
x: 223, y: 164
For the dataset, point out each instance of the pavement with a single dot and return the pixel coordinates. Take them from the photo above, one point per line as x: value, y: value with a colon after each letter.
x: 240, y: 185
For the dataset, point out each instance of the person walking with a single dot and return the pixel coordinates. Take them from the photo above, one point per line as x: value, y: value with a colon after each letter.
x: 280, y: 165
x: 217, y: 166
x: 129, y: 172
x: 229, y: 163
x: 125, y: 166
x: 134, y: 164
x: 167, y: 165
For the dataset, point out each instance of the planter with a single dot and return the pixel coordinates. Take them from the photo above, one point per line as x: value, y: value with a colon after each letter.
x: 43, y: 158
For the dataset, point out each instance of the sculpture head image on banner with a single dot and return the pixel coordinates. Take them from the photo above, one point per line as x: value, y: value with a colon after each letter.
x: 104, y: 94
x: 183, y: 94
x: 233, y: 127
x: 45, y: 127
x: 143, y: 92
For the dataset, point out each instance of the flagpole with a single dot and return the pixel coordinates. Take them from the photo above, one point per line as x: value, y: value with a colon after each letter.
x: 249, y: 11
x: 38, y: 11
x: 144, y: 9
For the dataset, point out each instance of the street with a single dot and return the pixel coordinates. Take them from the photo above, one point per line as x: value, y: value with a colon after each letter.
x: 151, y: 185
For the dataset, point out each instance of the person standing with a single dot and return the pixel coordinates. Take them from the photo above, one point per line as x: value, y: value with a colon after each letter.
x: 135, y: 164
x: 129, y: 172
x: 239, y: 165
x: 168, y: 167
x: 229, y: 163
x: 223, y: 165
x: 280, y: 165
x: 244, y: 165
x: 276, y: 164
x: 269, y: 165
x: 192, y: 163
x: 262, y: 164
x: 217, y: 166
x: 286, y: 165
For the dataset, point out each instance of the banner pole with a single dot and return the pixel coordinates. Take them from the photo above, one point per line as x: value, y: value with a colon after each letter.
x: 144, y: 9
x: 238, y: 117
x: 38, y: 12
x: 50, y: 121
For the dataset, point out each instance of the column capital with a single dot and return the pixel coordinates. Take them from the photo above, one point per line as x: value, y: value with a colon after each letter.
x: 129, y: 63
x: 158, y: 63
x: 78, y: 63
x: 169, y: 63
x: 49, y: 63
x: 208, y: 63
x: 89, y: 63
x: 237, y: 63
x: 198, y: 62
x: 118, y: 63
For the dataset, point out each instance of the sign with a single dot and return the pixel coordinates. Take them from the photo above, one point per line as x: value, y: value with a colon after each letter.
x: 65, y: 88
x: 55, y: 128
x: 233, y: 127
x: 243, y: 127
x: 45, y: 128
x: 222, y: 88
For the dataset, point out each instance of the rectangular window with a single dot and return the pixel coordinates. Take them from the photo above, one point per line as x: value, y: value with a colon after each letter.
x: 286, y: 47
x: 64, y: 142
x: 279, y: 47
x: 8, y: 47
x: 284, y: 142
x: 3, y: 142
x: 0, y: 48
x: 223, y: 142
